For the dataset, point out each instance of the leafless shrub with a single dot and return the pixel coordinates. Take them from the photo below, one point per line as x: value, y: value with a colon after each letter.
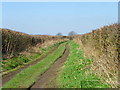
x: 102, y: 45
x: 15, y: 42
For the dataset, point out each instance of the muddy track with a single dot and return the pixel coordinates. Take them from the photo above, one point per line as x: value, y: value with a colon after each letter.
x: 9, y: 76
x: 52, y: 72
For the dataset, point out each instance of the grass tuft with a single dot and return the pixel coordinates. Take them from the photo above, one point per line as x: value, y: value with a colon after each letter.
x: 76, y: 71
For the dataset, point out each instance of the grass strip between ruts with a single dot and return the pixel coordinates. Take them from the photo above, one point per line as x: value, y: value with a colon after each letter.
x: 29, y: 75
x: 20, y: 61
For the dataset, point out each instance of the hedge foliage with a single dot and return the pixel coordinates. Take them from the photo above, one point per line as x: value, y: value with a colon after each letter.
x: 14, y: 42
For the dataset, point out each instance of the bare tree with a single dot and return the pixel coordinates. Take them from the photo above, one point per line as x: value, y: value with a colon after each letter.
x: 59, y: 34
x: 72, y: 33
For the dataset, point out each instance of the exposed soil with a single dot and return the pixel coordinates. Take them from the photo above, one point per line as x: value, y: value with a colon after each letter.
x: 9, y: 76
x: 47, y: 80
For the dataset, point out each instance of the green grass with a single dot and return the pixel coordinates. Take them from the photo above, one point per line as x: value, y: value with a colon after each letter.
x: 76, y: 74
x: 17, y: 62
x: 29, y: 75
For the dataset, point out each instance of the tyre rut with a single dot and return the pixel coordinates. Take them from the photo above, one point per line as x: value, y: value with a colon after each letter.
x: 9, y: 76
x: 52, y: 72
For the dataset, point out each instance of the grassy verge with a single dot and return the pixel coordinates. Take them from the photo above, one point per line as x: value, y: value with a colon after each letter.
x: 29, y: 75
x: 76, y: 71
x: 18, y: 62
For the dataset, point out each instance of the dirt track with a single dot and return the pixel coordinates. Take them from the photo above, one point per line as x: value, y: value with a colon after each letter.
x: 9, y: 76
x: 47, y: 80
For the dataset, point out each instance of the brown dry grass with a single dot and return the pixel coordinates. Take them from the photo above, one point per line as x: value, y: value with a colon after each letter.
x: 14, y: 42
x: 102, y: 46
x: 36, y: 49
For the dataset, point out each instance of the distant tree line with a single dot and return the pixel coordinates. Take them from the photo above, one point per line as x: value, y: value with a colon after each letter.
x: 69, y: 34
